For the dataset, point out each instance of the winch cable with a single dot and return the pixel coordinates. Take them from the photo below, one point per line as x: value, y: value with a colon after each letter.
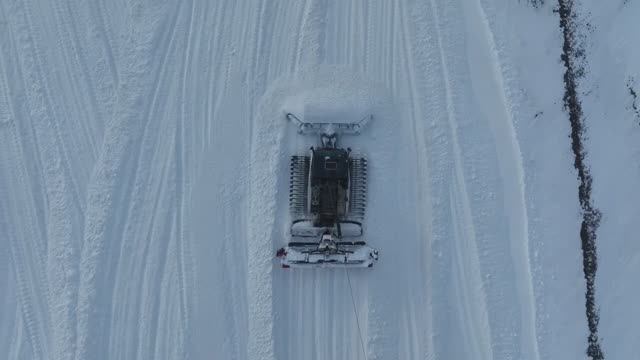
x: 355, y: 311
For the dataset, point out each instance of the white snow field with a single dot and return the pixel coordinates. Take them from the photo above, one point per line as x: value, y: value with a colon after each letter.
x: 144, y: 160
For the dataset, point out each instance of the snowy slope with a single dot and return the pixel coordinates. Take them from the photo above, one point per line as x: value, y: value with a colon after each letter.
x: 144, y: 165
x: 614, y: 143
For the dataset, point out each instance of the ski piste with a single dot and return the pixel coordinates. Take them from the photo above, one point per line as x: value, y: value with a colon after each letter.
x: 138, y: 223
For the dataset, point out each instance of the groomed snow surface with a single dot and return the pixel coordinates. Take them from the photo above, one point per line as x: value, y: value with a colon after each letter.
x: 144, y: 158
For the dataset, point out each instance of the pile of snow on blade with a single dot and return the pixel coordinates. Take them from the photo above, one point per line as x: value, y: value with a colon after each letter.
x: 349, y: 102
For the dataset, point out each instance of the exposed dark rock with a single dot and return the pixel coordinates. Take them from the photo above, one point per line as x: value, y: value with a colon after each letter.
x: 573, y: 57
x: 634, y: 96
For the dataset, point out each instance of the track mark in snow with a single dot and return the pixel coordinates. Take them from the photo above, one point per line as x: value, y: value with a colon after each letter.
x: 481, y: 338
x: 489, y: 88
x: 65, y: 17
x: 20, y: 248
x: 151, y: 225
x: 112, y: 182
x: 36, y: 72
x: 183, y: 267
x: 415, y: 62
x: 311, y: 38
x: 573, y: 58
x: 469, y: 293
x: 62, y: 201
x: 266, y: 156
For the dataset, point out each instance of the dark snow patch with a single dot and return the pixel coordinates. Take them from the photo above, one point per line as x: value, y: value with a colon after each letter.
x: 573, y: 58
x: 536, y: 3
x: 634, y: 96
